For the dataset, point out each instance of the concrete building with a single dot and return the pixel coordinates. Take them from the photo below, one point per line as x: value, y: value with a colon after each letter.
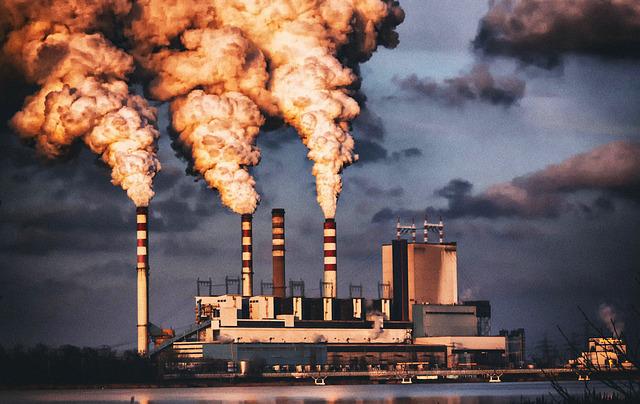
x: 416, y: 320
x: 515, y: 347
x: 470, y: 351
x: 436, y: 320
x: 419, y: 273
x: 605, y: 353
x: 483, y: 313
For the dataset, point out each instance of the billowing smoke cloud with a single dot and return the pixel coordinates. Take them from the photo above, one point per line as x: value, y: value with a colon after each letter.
x: 234, y: 61
x: 477, y: 85
x: 608, y: 316
x: 83, y: 90
x: 611, y: 170
x: 283, y: 56
x: 540, y: 32
x: 220, y: 131
x: 377, y: 326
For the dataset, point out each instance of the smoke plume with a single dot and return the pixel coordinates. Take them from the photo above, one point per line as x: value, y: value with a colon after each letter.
x: 608, y: 316
x: 477, y: 85
x: 83, y: 91
x: 282, y: 56
x: 540, y: 32
x: 377, y: 326
x: 220, y: 131
x: 236, y: 62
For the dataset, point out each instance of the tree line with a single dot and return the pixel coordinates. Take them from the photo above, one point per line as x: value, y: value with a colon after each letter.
x: 71, y: 365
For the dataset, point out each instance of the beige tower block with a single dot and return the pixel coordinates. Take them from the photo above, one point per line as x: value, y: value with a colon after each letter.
x: 432, y: 272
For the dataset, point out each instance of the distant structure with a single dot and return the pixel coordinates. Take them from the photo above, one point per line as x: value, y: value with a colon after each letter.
x: 603, y: 353
x: 516, y: 353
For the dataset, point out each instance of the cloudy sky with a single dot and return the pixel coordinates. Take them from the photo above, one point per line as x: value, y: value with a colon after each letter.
x: 524, y: 139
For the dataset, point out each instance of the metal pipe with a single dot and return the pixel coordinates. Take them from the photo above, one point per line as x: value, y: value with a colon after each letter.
x: 278, y: 251
x: 142, y: 216
x: 247, y: 258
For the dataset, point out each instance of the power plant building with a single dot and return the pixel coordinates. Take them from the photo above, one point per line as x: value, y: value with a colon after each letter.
x: 420, y: 273
x: 416, y: 318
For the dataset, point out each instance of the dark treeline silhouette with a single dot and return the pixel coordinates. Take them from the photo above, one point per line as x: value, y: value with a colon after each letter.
x: 71, y: 365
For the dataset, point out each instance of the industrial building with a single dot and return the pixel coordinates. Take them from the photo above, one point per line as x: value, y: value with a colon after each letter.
x: 416, y: 319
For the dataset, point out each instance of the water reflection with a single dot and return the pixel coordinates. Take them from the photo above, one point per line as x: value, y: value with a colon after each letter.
x: 458, y: 393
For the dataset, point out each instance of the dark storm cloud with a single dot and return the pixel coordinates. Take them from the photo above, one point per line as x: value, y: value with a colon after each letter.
x: 611, y: 170
x: 190, y: 246
x: 370, y: 151
x: 181, y: 215
x: 477, y: 85
x: 369, y: 125
x: 406, y: 153
x: 365, y: 186
x: 275, y: 139
x: 540, y: 32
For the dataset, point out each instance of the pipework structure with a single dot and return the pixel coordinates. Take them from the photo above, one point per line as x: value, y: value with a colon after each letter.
x: 247, y: 256
x: 142, y: 251
x: 411, y: 229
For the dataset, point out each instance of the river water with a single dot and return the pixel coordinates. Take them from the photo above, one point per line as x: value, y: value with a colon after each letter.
x: 453, y: 393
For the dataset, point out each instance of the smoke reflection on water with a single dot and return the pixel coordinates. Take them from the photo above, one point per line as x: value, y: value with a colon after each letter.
x: 458, y: 393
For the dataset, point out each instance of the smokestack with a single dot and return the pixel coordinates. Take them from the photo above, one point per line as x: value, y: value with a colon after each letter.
x: 142, y: 215
x: 330, y: 258
x: 277, y: 241
x: 247, y: 258
x: 441, y: 231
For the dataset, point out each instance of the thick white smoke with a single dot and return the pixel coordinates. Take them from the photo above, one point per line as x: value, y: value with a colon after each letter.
x: 84, y: 95
x: 233, y: 61
x: 283, y: 55
x: 220, y: 131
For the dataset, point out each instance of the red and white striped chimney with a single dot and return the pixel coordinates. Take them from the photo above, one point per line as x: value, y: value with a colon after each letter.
x: 142, y: 217
x: 247, y: 258
x: 277, y: 241
x: 330, y: 259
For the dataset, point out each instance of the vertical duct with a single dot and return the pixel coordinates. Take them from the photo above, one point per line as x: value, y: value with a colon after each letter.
x: 247, y: 258
x: 400, y: 307
x: 277, y: 241
x: 142, y: 216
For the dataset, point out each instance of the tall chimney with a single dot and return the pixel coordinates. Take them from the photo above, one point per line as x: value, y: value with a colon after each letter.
x: 142, y: 216
x: 330, y: 259
x: 277, y: 241
x: 247, y: 259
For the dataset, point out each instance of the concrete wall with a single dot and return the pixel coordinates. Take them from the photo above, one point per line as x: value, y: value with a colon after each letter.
x: 443, y: 320
x: 464, y: 342
x: 309, y: 335
x: 268, y: 354
x: 432, y: 272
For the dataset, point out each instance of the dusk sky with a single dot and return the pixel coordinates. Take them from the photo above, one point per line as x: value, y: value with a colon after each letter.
x: 525, y: 142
